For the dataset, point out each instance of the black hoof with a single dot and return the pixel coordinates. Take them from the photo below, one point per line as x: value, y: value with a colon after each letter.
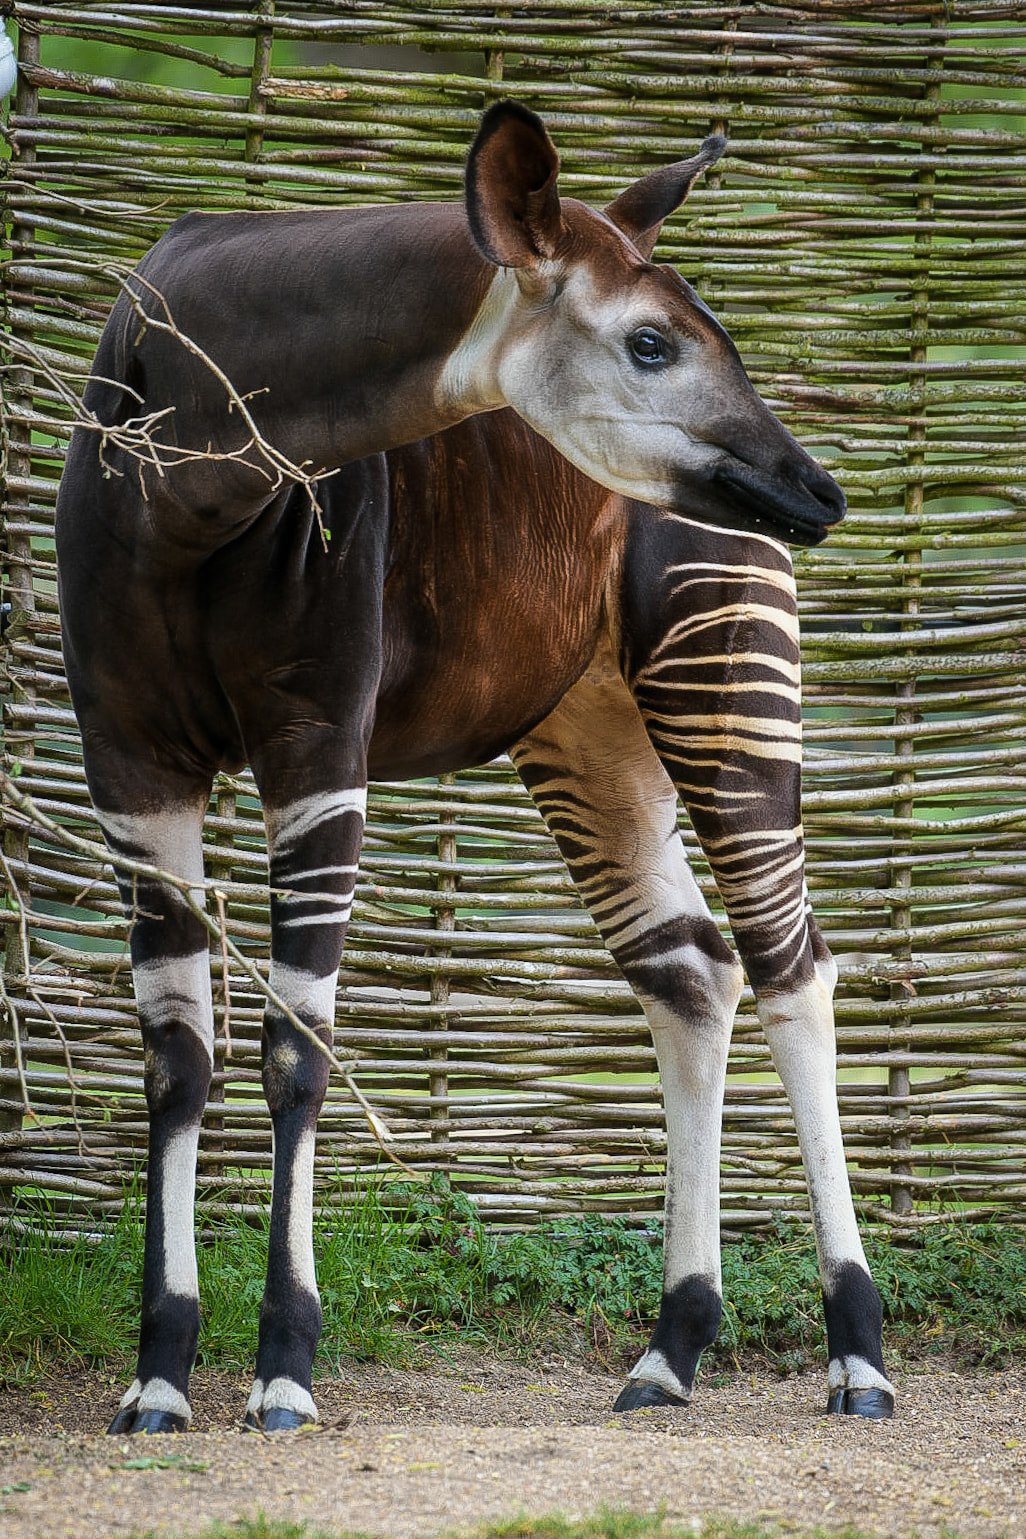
x: 277, y: 1419
x: 638, y: 1393
x: 129, y: 1420
x: 873, y: 1403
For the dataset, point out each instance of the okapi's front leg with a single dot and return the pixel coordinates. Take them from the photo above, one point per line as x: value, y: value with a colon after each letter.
x: 613, y: 811
x: 793, y: 977
x: 712, y: 654
x: 171, y: 970
x: 314, y: 843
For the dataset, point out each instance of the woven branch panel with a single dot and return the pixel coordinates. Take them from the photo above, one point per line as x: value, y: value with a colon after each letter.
x: 863, y: 240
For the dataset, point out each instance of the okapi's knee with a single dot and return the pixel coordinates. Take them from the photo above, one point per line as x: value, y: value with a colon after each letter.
x: 295, y: 1069
x: 177, y: 1072
x: 176, y: 1016
x: 686, y: 967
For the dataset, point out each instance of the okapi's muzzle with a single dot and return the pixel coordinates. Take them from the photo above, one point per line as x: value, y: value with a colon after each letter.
x: 800, y: 504
x: 765, y: 483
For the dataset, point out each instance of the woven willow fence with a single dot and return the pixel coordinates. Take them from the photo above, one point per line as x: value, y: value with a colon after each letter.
x: 863, y: 239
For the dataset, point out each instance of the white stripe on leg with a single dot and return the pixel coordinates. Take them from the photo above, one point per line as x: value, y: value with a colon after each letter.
x: 177, y: 1219
x: 302, y: 992
x: 169, y: 840
x: 287, y: 825
x: 179, y: 989
x: 300, y: 1220
x: 692, y: 1059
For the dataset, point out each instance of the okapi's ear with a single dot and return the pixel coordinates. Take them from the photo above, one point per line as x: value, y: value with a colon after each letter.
x: 640, y: 210
x: 512, y: 201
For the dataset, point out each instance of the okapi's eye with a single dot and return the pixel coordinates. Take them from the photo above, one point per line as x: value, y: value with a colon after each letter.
x: 648, y: 347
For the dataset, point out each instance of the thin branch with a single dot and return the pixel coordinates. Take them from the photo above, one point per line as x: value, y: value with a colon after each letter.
x: 137, y: 437
x: 187, y: 890
x: 277, y: 468
x: 226, y: 1020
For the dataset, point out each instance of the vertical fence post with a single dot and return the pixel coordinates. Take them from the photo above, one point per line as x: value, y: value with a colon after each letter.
x: 441, y: 984
x: 19, y: 592
x: 906, y: 711
x: 262, y: 47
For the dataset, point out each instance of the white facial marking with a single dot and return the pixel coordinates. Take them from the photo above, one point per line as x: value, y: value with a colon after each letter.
x: 654, y: 1368
x: 627, y: 427
x: 469, y: 379
x: 620, y: 424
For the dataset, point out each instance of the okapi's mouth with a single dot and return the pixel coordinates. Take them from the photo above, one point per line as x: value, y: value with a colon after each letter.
x: 800, y: 511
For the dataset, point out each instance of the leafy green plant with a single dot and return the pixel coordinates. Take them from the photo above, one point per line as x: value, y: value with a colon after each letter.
x: 63, y: 1303
x: 607, y: 1524
x: 412, y: 1264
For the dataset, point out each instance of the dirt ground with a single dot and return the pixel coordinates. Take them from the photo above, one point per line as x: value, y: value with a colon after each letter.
x: 408, y: 1454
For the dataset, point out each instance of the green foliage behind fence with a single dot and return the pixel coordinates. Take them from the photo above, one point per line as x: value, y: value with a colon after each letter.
x: 863, y: 239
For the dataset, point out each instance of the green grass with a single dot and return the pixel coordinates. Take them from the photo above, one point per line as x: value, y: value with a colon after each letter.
x: 412, y: 1266
x: 603, y: 1525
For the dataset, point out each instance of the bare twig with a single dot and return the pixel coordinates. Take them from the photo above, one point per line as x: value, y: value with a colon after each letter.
x: 41, y: 1004
x: 137, y: 438
x: 187, y: 891
x: 226, y: 1019
x: 277, y: 468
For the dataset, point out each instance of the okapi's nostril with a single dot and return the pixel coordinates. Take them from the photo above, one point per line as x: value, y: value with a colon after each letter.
x: 819, y: 486
x: 830, y: 496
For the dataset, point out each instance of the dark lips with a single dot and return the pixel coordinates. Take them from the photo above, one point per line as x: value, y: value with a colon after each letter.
x: 787, y: 510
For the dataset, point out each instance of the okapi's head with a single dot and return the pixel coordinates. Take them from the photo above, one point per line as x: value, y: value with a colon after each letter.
x: 615, y: 359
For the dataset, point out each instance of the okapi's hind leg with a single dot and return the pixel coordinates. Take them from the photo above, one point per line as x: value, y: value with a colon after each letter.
x: 171, y: 971
x: 613, y: 811
x: 314, y: 843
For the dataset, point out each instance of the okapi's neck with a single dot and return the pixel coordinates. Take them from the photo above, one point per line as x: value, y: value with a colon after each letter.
x: 337, y: 328
x: 385, y: 376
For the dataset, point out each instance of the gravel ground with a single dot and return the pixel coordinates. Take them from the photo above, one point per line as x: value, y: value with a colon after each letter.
x: 407, y: 1454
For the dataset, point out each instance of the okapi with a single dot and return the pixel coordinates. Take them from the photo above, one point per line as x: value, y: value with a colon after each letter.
x: 440, y: 602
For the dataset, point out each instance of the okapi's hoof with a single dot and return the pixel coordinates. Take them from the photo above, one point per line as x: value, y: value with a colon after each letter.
x: 873, y: 1403
x: 277, y: 1418
x: 638, y: 1393
x: 130, y: 1421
